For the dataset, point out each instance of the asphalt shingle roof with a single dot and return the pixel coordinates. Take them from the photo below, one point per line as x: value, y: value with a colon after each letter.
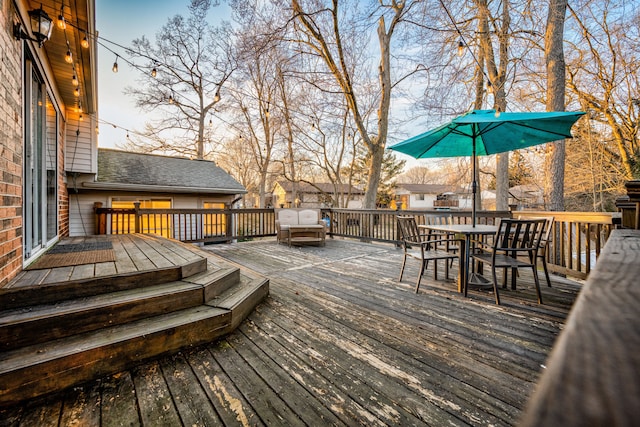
x: 122, y: 167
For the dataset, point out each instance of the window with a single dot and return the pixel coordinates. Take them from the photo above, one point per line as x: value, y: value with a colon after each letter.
x: 215, y: 224
x: 124, y: 223
x: 420, y: 196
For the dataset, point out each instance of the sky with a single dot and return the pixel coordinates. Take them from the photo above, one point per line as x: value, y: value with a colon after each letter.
x: 122, y: 21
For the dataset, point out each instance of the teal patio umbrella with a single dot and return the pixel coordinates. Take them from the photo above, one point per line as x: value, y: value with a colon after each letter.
x: 483, y: 132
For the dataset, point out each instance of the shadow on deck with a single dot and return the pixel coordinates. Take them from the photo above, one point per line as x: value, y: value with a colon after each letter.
x: 338, y: 341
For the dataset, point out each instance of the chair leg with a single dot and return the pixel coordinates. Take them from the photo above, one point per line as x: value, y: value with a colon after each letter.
x: 423, y: 266
x: 495, y: 284
x: 404, y: 261
x: 537, y: 282
x: 546, y: 270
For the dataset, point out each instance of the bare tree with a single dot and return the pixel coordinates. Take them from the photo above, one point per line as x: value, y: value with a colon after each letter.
x: 321, y: 31
x: 554, y: 54
x: 185, y: 70
x: 602, y: 73
x: 497, y: 73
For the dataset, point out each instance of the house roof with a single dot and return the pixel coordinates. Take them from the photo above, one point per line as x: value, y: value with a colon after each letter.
x: 322, y: 187
x: 123, y: 170
x: 429, y: 188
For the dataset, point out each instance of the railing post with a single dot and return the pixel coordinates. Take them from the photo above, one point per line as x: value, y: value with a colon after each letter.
x: 100, y: 219
x: 136, y: 206
x: 629, y: 205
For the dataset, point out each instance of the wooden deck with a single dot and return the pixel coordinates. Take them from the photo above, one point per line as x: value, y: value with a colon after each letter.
x: 134, y: 253
x: 339, y: 341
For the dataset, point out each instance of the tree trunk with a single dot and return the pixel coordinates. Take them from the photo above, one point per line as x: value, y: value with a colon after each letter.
x: 497, y: 76
x: 554, y: 53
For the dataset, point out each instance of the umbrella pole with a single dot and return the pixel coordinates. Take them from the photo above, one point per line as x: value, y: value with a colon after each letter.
x: 474, y: 184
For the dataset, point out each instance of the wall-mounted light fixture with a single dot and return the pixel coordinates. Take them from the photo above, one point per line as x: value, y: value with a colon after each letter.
x: 40, y: 27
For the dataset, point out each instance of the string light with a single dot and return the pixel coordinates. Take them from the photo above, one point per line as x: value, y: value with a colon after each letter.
x: 62, y: 24
x: 80, y: 117
x: 76, y: 92
x: 171, y: 99
x: 85, y: 41
x: 74, y: 80
x: 217, y: 97
x: 460, y: 48
x: 115, y: 65
x: 154, y: 73
x: 68, y: 58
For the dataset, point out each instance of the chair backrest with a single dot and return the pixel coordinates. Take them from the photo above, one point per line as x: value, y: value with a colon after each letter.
x: 288, y: 217
x: 519, y: 234
x: 308, y: 217
x: 409, y: 232
x: 438, y: 219
x: 548, y: 228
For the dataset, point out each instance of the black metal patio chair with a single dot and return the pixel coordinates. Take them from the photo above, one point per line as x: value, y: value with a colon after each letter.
x: 424, y: 247
x: 515, y: 245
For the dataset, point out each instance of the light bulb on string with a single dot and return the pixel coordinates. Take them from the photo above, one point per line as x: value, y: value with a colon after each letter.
x: 115, y: 65
x: 62, y: 24
x: 76, y: 92
x: 154, y: 73
x: 210, y: 123
x: 217, y: 97
x: 68, y: 58
x: 74, y: 80
x: 460, y: 48
x: 171, y: 99
x: 85, y: 41
x: 80, y: 117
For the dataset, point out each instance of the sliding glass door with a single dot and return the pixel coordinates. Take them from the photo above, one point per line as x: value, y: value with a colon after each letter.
x: 40, y: 165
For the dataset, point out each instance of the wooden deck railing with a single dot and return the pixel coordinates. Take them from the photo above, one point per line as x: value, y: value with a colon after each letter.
x: 576, y: 241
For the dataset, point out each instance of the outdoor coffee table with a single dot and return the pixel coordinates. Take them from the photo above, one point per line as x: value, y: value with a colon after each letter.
x: 302, y: 234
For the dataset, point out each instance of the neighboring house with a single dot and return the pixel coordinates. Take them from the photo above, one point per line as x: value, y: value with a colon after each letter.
x: 529, y: 196
x: 160, y: 182
x: 287, y: 194
x: 431, y: 196
x: 48, y: 124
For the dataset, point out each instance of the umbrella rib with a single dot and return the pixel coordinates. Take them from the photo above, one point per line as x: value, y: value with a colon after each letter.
x: 434, y: 144
x: 524, y: 125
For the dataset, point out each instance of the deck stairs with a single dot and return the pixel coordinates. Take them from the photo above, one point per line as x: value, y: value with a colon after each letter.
x: 63, y: 334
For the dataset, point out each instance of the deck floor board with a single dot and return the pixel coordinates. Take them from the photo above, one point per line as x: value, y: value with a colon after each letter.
x: 339, y: 341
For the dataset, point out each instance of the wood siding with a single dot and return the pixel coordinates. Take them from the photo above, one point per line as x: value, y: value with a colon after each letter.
x: 81, y: 149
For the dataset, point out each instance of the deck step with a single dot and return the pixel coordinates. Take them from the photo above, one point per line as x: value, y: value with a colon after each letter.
x: 243, y: 298
x: 59, y: 341
x: 25, y: 326
x: 37, y: 294
x: 42, y: 368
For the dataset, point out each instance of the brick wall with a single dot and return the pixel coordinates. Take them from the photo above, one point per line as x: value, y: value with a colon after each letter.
x: 10, y: 148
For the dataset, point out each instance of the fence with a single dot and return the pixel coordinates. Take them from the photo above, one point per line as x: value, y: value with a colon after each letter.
x: 575, y: 243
